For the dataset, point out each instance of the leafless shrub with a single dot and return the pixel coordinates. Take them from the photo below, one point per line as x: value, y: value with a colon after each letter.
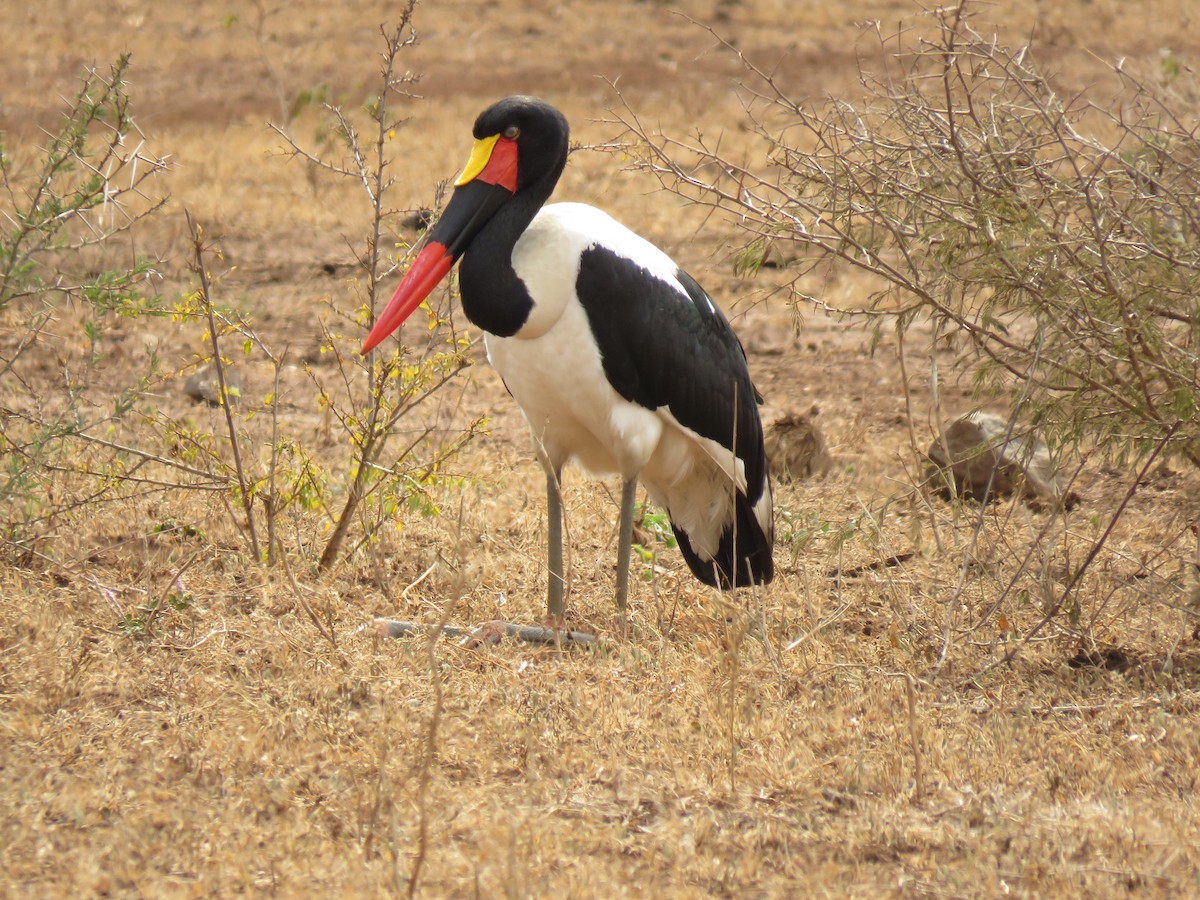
x: 1059, y: 236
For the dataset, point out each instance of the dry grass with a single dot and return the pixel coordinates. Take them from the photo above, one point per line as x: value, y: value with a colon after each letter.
x: 234, y: 750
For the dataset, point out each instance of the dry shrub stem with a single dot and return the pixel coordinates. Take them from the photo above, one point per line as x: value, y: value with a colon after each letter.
x: 274, y: 551
x: 429, y: 753
x: 243, y: 488
x: 987, y: 208
x: 914, y: 735
x: 372, y: 174
x: 325, y: 628
x: 1097, y: 545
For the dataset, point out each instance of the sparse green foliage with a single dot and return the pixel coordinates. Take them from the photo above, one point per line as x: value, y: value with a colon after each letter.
x: 797, y: 530
x: 656, y: 525
x: 63, y: 215
x: 87, y: 187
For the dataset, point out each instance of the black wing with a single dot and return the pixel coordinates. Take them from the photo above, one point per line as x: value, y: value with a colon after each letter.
x: 666, y: 344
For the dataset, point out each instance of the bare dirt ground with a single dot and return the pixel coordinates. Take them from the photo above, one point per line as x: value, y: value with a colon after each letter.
x: 886, y: 751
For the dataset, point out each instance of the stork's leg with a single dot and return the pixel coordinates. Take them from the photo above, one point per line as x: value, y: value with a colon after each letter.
x: 554, y: 537
x: 625, y: 541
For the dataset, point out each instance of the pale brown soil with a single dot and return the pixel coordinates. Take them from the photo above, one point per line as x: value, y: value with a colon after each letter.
x: 236, y: 751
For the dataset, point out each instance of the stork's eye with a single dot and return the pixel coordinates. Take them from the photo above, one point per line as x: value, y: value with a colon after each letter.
x: 512, y: 132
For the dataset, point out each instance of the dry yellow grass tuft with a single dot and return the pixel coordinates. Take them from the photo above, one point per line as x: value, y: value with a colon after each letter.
x: 854, y: 729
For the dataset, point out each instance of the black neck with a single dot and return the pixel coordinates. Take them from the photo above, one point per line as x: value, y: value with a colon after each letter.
x: 493, y: 297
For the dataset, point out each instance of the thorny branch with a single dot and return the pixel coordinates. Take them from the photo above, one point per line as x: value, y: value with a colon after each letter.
x: 988, y: 203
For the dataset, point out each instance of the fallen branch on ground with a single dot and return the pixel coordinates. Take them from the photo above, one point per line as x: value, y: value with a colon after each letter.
x: 487, y: 633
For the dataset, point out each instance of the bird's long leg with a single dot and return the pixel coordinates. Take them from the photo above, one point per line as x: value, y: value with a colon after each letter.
x: 625, y: 541
x: 554, y: 515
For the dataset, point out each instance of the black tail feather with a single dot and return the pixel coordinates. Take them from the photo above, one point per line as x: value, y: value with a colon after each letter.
x: 743, y: 557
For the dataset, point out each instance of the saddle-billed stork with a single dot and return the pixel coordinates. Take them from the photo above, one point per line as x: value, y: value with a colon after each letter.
x: 618, y: 359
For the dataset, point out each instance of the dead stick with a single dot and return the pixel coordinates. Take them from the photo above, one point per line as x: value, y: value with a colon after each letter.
x: 914, y: 736
x: 532, y: 634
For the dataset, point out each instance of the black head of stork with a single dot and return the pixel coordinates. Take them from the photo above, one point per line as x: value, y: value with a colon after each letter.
x: 616, y: 356
x: 519, y: 153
